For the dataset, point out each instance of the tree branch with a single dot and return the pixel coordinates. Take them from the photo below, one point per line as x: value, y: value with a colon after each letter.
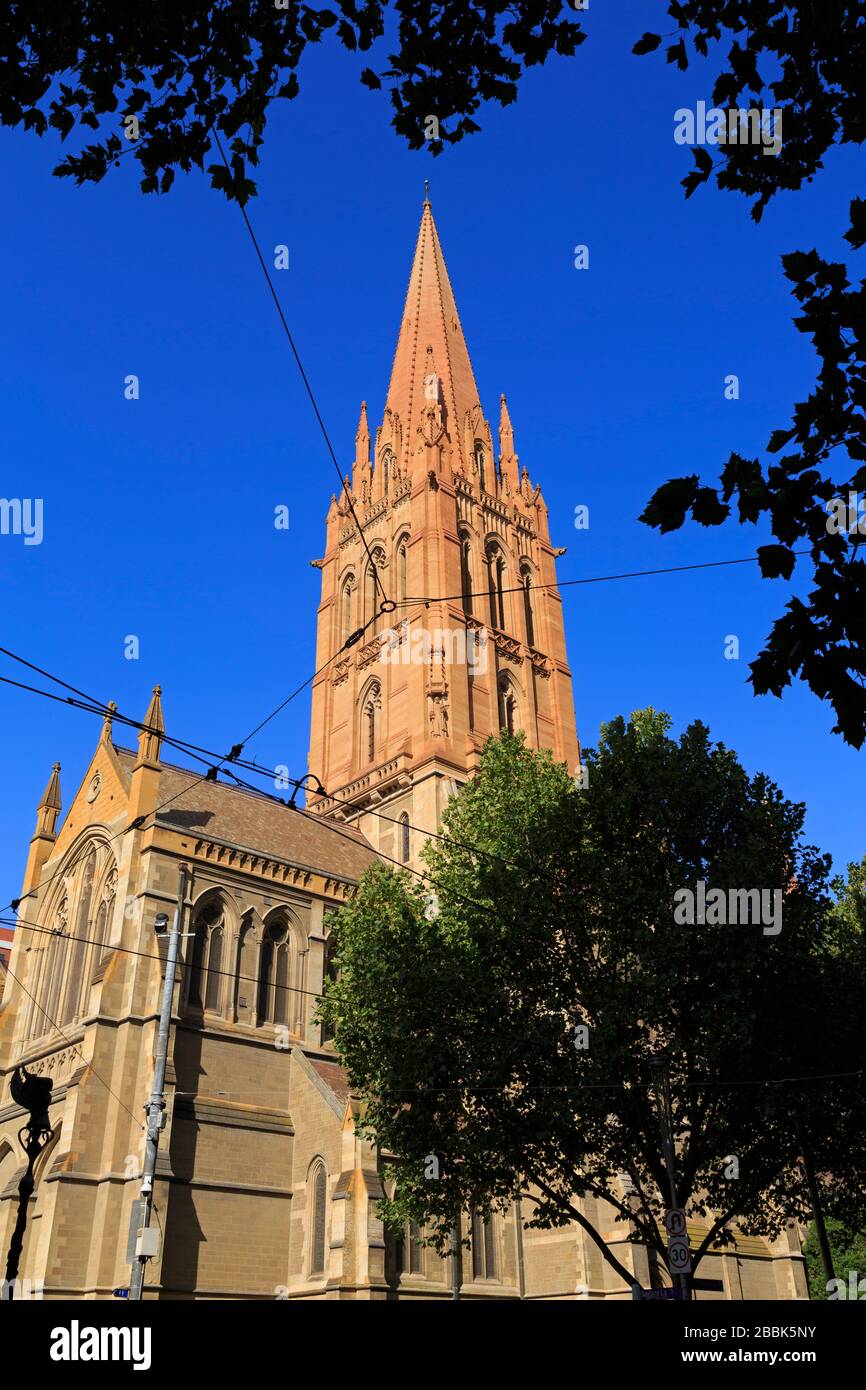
x: 587, y: 1226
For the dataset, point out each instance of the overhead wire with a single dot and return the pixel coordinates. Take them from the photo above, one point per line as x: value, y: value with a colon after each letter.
x: 343, y: 483
x: 591, y: 579
x: 436, y: 1090
x: 106, y: 711
x: 70, y: 1043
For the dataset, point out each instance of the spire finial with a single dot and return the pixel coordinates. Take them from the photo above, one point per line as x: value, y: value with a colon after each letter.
x: 427, y: 193
x: 150, y: 737
x: 50, y: 806
x: 110, y: 712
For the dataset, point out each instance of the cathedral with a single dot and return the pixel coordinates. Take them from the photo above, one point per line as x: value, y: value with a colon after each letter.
x: 262, y: 1188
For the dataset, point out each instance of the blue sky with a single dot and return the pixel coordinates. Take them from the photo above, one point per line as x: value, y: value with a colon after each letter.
x: 159, y: 512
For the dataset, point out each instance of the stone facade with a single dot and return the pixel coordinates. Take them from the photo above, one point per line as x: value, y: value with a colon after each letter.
x: 262, y: 1188
x: 461, y: 545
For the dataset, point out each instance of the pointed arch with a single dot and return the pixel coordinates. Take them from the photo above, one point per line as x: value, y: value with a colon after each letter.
x: 497, y: 571
x: 247, y: 968
x: 387, y: 464
x: 214, y: 924
x: 330, y: 974
x: 67, y: 944
x: 278, y: 966
x: 485, y: 1264
x: 370, y: 722
x: 401, y: 557
x: 317, y: 1213
x: 479, y: 456
x: 347, y: 606
x: 509, y: 704
x: 79, y: 945
x: 527, y: 583
x: 466, y: 570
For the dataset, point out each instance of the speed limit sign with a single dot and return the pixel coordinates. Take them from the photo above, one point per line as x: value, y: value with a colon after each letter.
x: 679, y: 1258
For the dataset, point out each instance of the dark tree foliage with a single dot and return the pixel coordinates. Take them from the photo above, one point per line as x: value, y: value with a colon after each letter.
x: 181, y: 68
x: 806, y: 56
x: 503, y: 1036
x: 809, y: 59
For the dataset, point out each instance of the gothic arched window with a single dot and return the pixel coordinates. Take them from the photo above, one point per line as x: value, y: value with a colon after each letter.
x: 526, y: 581
x: 245, y: 983
x: 508, y: 715
x: 387, y: 465
x: 495, y: 585
x: 371, y: 710
x: 466, y: 574
x: 402, y: 566
x: 404, y: 838
x: 480, y: 465
x: 275, y: 975
x: 205, y: 977
x: 103, y: 917
x: 483, y: 1247
x: 79, y: 944
x: 346, y: 606
x: 371, y: 588
x: 331, y: 974
x: 53, y: 964
x: 317, y: 1204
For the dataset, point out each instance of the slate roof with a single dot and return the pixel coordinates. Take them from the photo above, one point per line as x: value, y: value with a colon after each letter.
x: 217, y: 811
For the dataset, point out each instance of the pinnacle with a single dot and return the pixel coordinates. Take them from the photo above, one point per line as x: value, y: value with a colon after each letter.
x: 431, y: 333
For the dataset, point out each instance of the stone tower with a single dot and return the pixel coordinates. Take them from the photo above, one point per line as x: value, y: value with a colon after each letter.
x: 461, y: 545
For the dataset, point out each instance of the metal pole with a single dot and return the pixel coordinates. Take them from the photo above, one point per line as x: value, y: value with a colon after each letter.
x: 456, y: 1261
x: 33, y: 1094
x: 521, y: 1264
x: 156, y: 1104
x: 663, y: 1089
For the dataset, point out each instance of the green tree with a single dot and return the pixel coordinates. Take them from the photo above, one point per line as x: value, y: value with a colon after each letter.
x: 153, y: 80
x: 502, y: 1016
x: 848, y: 1249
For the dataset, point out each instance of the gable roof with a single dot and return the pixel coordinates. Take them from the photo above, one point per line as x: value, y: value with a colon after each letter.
x: 216, y: 811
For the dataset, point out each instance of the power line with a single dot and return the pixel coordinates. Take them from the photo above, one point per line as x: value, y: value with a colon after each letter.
x: 197, y: 751
x: 765, y: 1081
x: 70, y: 1043
x: 145, y: 955
x: 275, y: 297
x: 105, y: 711
x: 593, y: 579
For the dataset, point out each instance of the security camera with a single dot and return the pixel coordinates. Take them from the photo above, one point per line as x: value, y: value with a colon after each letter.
x: 160, y: 923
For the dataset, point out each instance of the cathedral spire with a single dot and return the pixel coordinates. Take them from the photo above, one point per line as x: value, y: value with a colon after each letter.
x: 50, y: 806
x: 430, y: 331
x: 150, y: 738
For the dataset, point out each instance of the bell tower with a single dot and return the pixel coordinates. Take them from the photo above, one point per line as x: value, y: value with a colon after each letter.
x: 460, y: 544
